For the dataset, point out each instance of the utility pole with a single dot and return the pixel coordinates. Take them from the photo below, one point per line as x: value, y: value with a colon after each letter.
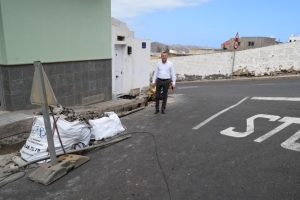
x: 235, y: 46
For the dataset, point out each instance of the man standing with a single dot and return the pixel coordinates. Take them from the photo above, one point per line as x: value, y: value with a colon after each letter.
x: 161, y: 79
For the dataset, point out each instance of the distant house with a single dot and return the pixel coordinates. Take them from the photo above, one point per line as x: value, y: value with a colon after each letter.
x: 201, y: 51
x: 173, y: 51
x: 249, y: 43
x: 293, y: 38
x: 225, y: 45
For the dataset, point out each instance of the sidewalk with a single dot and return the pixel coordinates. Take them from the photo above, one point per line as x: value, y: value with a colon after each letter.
x: 16, y: 126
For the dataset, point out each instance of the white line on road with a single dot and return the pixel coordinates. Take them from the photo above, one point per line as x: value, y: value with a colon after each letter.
x: 291, y: 142
x: 267, y: 84
x: 288, y: 121
x: 219, y: 113
x: 276, y: 98
x: 187, y: 87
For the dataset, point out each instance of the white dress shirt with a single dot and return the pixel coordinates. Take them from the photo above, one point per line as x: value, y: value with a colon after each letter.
x: 163, y: 71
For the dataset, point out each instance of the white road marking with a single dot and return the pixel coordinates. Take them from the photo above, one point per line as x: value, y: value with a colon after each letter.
x: 291, y: 143
x: 188, y: 87
x: 250, y: 126
x: 288, y: 121
x: 267, y: 84
x: 219, y: 113
x: 276, y: 98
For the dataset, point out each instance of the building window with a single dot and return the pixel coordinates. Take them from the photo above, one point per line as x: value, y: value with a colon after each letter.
x: 250, y: 44
x: 120, y: 38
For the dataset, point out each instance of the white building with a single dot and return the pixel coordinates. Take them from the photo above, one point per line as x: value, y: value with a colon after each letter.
x: 293, y: 38
x: 130, y: 59
x: 173, y: 51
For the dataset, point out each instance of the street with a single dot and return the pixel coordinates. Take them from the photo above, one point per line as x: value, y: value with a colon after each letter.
x: 217, y: 140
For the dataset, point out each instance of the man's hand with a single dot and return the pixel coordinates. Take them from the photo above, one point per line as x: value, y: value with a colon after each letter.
x: 173, y: 86
x: 153, y: 85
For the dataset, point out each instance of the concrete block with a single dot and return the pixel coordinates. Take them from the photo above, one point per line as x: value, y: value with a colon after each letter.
x: 47, y: 173
x: 145, y: 90
x: 14, y: 128
x: 134, y: 92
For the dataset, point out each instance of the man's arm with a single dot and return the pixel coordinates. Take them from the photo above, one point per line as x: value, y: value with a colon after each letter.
x: 154, y: 76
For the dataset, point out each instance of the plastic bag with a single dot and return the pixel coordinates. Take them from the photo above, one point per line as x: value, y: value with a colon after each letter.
x: 71, y: 133
x: 106, y: 126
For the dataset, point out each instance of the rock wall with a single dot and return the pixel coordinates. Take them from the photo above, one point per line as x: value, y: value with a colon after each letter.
x: 266, y: 61
x: 269, y: 60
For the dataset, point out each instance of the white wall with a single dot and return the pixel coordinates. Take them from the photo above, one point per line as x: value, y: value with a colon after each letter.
x: 136, y: 66
x: 294, y: 38
x: 141, y: 64
x: 269, y: 59
x: 259, y: 60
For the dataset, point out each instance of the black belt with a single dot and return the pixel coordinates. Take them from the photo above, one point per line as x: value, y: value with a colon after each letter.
x: 163, y: 79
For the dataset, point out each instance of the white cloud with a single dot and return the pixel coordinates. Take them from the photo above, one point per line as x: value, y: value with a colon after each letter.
x: 133, y: 8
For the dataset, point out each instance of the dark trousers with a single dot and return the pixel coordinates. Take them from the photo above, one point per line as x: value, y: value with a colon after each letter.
x: 162, y: 84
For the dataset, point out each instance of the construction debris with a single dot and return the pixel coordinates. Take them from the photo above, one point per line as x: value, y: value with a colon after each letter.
x: 69, y: 114
x: 217, y: 76
x: 244, y: 72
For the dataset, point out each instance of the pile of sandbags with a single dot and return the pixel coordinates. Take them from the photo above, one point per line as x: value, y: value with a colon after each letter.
x: 77, y: 133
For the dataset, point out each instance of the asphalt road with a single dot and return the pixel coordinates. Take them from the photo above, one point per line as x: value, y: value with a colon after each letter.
x: 200, y: 156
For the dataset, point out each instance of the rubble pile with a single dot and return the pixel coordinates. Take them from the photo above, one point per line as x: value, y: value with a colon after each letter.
x: 243, y: 72
x: 246, y: 73
x: 217, y: 76
x: 192, y: 77
x: 69, y: 114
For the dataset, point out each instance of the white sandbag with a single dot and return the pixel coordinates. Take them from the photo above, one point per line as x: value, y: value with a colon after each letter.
x: 70, y: 133
x: 106, y: 126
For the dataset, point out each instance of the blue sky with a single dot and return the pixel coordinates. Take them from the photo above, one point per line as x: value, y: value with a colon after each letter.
x: 208, y: 22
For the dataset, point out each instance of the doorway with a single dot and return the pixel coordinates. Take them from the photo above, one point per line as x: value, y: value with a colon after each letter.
x: 118, y: 65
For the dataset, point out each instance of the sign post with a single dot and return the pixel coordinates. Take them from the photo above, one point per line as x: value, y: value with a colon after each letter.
x: 235, y: 46
x: 42, y: 94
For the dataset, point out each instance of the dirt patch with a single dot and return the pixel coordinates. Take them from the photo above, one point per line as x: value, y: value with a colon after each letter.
x: 12, y: 148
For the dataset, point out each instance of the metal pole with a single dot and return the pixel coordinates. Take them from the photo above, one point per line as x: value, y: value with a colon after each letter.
x: 46, y: 114
x: 232, y: 64
x: 55, y: 127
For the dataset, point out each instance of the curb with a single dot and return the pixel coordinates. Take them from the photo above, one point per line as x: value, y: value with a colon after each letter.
x: 242, y: 79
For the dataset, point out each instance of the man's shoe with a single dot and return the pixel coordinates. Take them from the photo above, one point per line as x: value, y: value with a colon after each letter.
x: 156, y: 112
x: 163, y: 111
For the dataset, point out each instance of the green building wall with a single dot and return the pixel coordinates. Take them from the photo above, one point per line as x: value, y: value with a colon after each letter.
x: 54, y: 30
x: 72, y: 39
x: 2, y: 42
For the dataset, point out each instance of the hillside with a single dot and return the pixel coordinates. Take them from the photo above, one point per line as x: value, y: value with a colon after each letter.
x: 177, y: 47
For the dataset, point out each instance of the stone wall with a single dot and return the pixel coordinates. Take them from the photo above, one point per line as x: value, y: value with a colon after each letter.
x: 205, y: 51
x: 218, y: 63
x: 264, y: 61
x: 259, y: 61
x: 72, y: 83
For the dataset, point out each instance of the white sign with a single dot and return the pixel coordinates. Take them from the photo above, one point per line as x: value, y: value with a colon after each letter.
x: 39, y: 84
x: 290, y: 143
